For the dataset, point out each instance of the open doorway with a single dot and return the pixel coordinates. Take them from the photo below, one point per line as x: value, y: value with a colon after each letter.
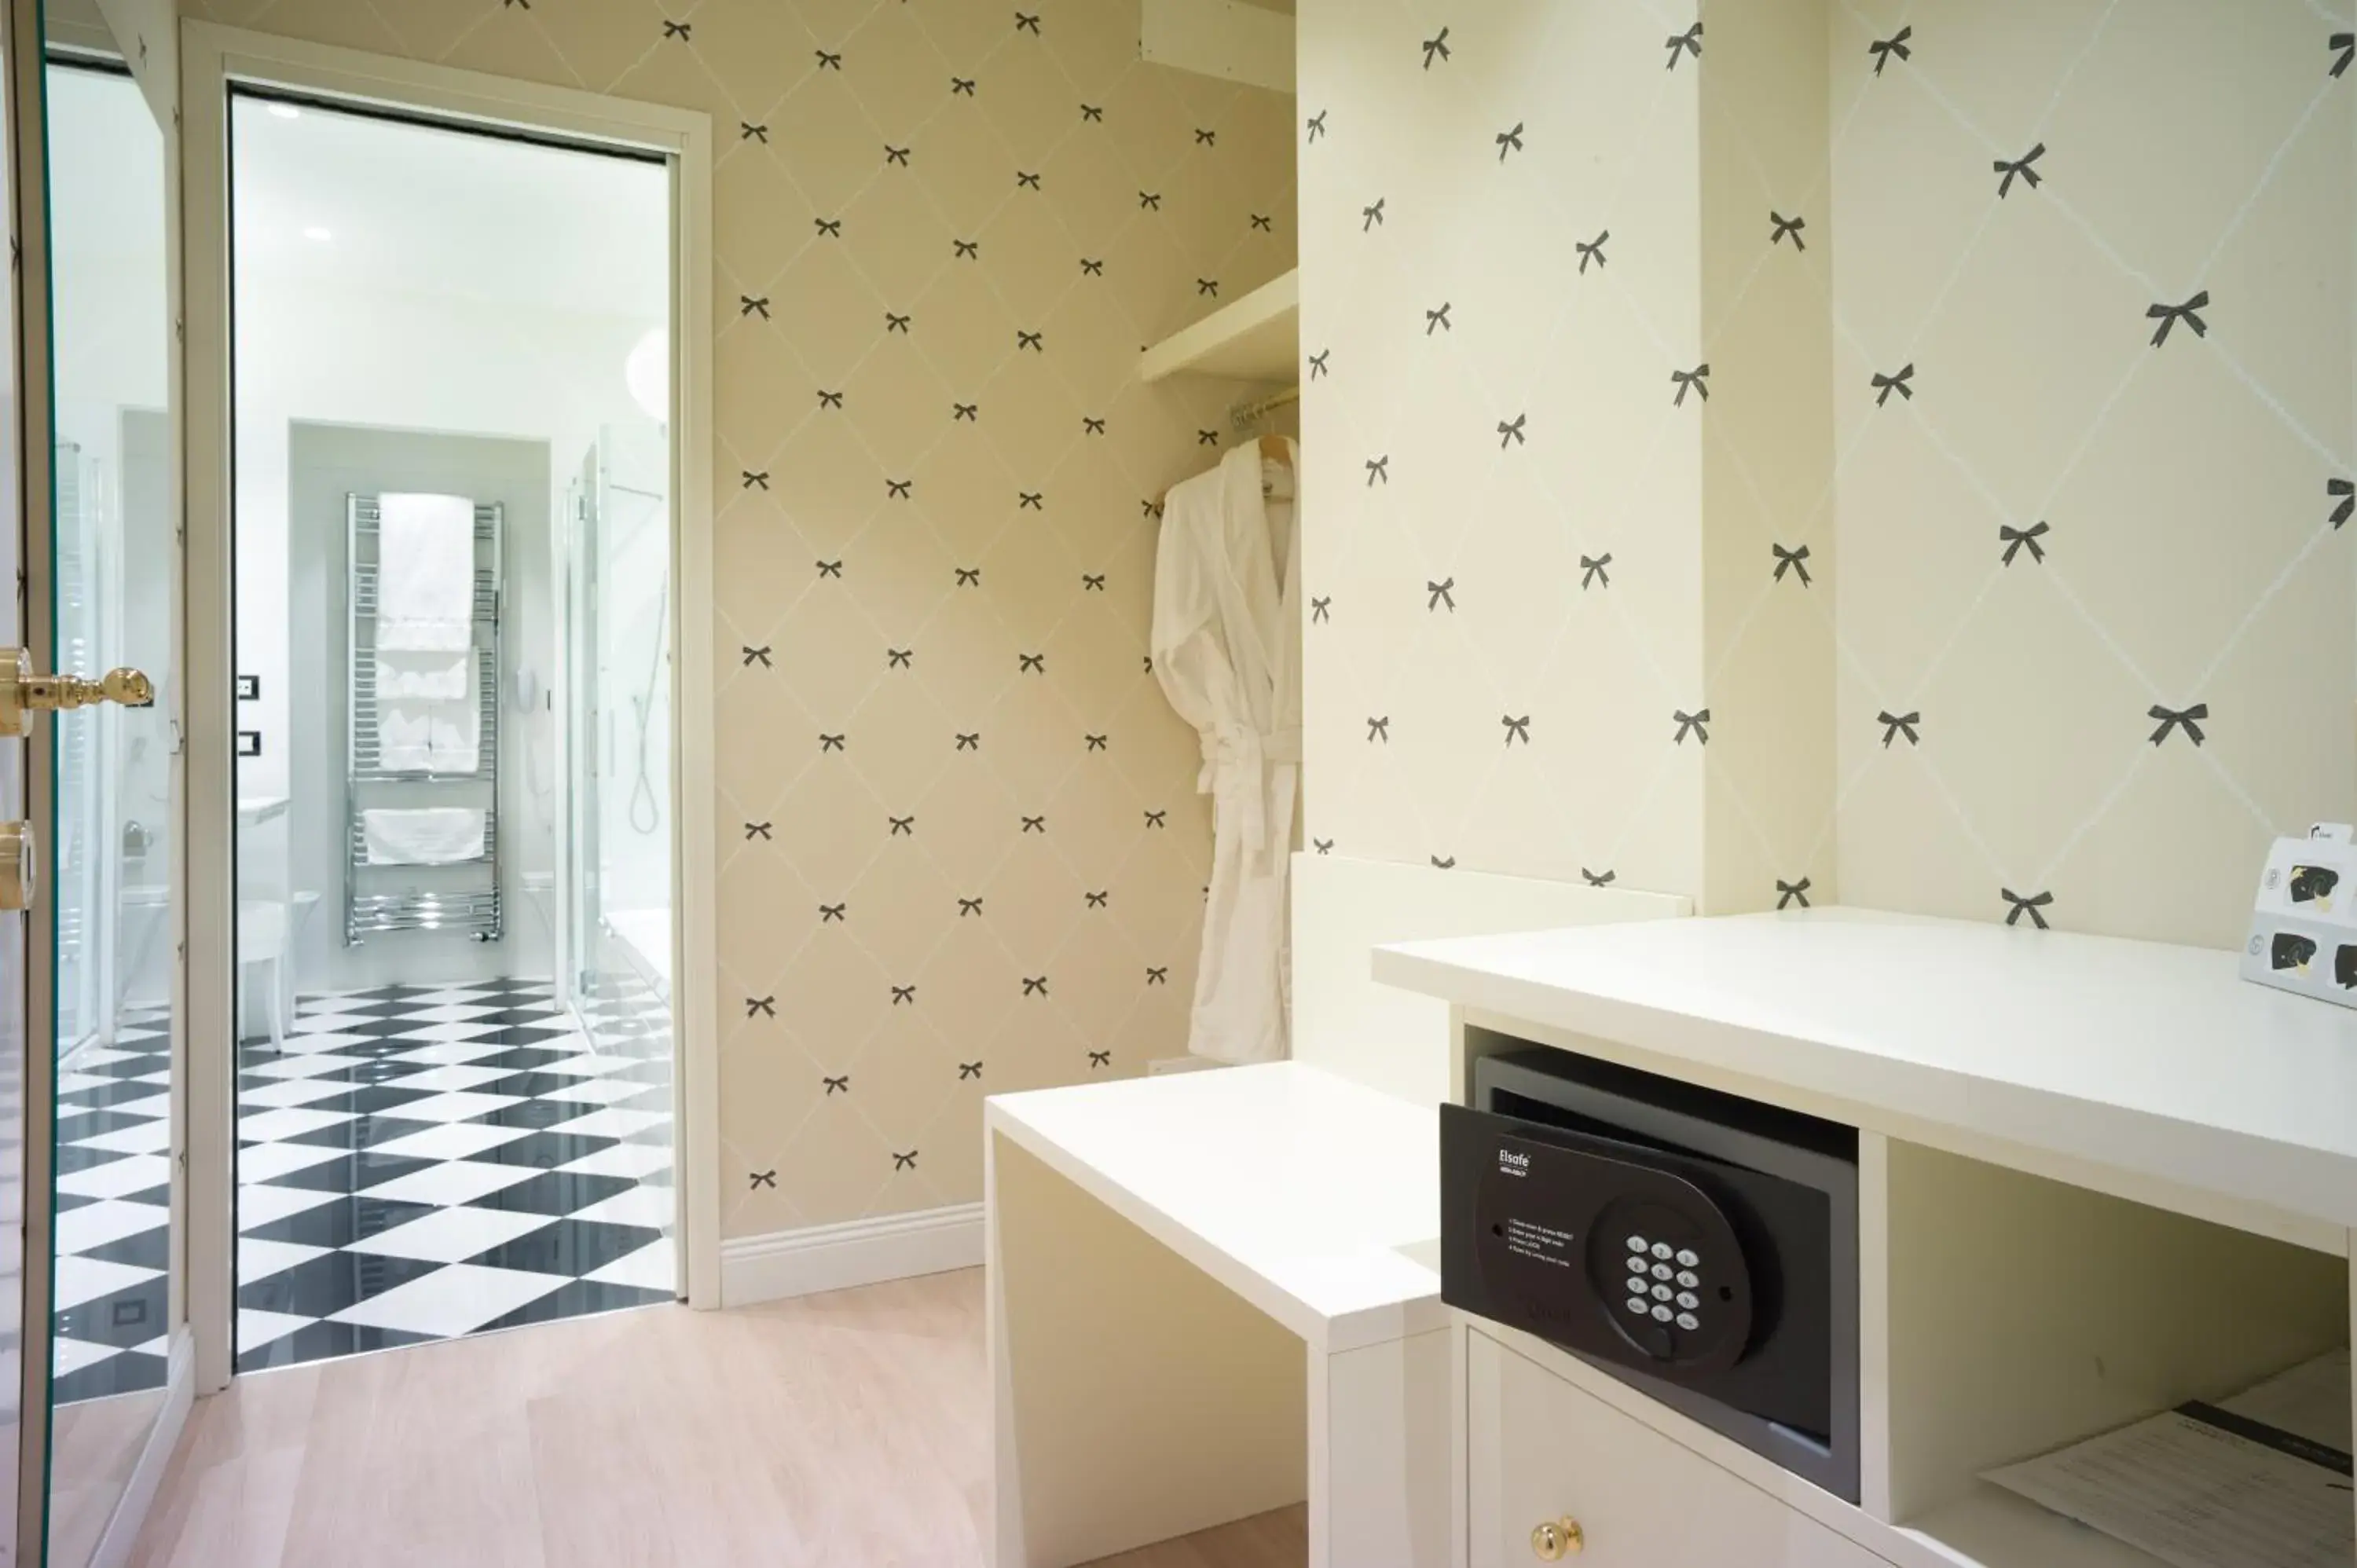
x: 452, y: 533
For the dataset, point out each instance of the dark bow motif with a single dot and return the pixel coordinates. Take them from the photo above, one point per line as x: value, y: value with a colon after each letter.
x: 900, y: 827
x: 893, y: 154
x: 760, y: 1006
x: 1444, y: 863
x: 1092, y: 112
x: 965, y: 412
x: 1091, y: 267
x: 2346, y: 492
x: 1264, y: 223
x: 1591, y: 250
x: 1034, y: 341
x: 899, y: 658
x: 1698, y: 379
x: 1097, y: 900
x: 1027, y: 179
x: 829, y: 568
x: 1316, y: 124
x: 756, y: 478
x: 1896, y: 724
x: 1205, y: 138
x: 1100, y: 1058
x: 1592, y: 573
x: 1321, y: 610
x: 1026, y: 22
x: 1317, y: 363
x: 830, y: 399
x: 830, y: 742
x: 753, y: 304
x: 1437, y: 319
x: 758, y: 656
x: 831, y: 227
x: 1695, y: 724
x: 896, y: 322
x: 969, y: 1070
x: 829, y: 914
x: 764, y: 1178
x: 1035, y: 986
x: 1158, y: 820
x: 1510, y: 141
x: 1516, y: 729
x: 829, y: 60
x: 962, y: 86
x: 1379, y: 468
x: 1207, y: 438
x: 1792, y: 560
x: 1149, y: 200
x: 2188, y: 719
x: 1790, y: 893
x: 1208, y: 287
x: 748, y: 131
x: 1093, y: 582
x: 1091, y: 426
x: 1787, y: 228
x: 1509, y: 432
x: 969, y: 907
x: 967, y: 249
x: 2022, y: 169
x: 2345, y: 49
x: 1885, y: 49
x: 1599, y: 878
x: 1436, y: 48
x: 907, y: 1161
x: 904, y: 996
x: 968, y: 742
x: 1371, y: 216
x: 1380, y: 729
x: 1030, y: 500
x: 2015, y: 538
x: 1683, y: 43
x: 2030, y: 906
x: 1150, y: 508
x: 1158, y: 975
x: 899, y: 489
x: 2168, y: 315
x: 680, y: 30
x: 1031, y: 664
x: 1095, y: 742
x: 1903, y: 383
x: 758, y: 831
x: 1323, y: 846
x: 1441, y: 593
x: 968, y: 576
x: 836, y: 1086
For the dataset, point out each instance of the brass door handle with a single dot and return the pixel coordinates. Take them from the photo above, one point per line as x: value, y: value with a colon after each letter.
x: 22, y: 692
x: 1557, y: 1539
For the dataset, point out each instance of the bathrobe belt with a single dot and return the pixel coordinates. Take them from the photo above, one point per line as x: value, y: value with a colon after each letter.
x: 1236, y: 759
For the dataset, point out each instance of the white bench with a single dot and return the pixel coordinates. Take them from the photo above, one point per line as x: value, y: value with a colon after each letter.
x: 1212, y: 1294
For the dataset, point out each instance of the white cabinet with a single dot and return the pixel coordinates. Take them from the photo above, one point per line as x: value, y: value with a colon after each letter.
x: 1539, y: 1449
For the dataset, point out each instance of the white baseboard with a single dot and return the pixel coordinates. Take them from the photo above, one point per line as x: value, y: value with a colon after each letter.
x: 123, y: 1528
x: 858, y: 1252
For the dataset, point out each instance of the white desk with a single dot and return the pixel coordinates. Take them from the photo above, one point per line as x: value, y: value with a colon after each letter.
x: 1162, y: 1251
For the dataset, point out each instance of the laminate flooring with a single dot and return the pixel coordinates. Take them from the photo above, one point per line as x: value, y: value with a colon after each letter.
x: 843, y: 1431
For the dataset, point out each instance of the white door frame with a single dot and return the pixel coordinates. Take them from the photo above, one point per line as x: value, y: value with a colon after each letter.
x: 211, y: 58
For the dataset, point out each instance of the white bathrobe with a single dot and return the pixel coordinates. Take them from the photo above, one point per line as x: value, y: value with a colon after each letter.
x: 1227, y: 649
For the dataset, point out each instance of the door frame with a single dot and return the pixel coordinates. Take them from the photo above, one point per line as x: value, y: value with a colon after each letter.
x: 212, y: 58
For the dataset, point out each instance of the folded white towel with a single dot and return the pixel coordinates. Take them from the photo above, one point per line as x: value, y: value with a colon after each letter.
x: 440, y: 677
x: 436, y: 835
x: 428, y: 737
x: 425, y: 572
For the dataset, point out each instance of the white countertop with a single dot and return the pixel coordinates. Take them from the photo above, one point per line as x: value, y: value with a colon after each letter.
x: 2152, y: 1059
x: 1296, y: 1189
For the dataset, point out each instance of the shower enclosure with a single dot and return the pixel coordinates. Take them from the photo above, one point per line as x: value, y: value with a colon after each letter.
x: 618, y: 663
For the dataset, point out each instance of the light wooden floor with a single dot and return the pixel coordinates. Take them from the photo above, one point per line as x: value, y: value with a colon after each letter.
x: 845, y: 1430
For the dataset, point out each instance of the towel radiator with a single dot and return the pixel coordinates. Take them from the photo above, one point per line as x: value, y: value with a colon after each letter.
x: 456, y: 898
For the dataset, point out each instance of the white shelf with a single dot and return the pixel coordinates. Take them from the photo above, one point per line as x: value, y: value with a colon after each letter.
x: 1256, y: 338
x: 1993, y: 1526
x: 2156, y: 1062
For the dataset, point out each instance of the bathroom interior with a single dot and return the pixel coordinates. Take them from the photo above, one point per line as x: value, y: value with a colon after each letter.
x: 1313, y: 607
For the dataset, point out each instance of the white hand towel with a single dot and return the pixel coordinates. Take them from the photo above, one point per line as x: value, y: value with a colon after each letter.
x: 438, y: 677
x: 428, y: 737
x: 437, y: 835
x: 425, y: 572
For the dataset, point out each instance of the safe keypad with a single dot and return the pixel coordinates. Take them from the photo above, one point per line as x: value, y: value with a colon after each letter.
x: 1651, y: 1275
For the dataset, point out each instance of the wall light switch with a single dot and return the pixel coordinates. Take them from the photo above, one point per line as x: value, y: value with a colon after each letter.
x: 249, y: 743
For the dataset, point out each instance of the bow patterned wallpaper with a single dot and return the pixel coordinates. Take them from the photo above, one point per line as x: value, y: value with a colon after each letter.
x: 1774, y: 452
x: 962, y: 851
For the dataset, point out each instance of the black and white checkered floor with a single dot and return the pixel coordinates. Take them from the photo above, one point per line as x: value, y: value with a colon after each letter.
x: 419, y: 1161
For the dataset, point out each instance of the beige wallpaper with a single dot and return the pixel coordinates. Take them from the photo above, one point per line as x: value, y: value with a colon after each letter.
x: 2087, y: 516
x: 962, y: 850
x: 1925, y: 253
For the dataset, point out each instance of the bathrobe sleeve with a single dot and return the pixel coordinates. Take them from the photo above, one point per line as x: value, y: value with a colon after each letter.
x: 1190, y: 650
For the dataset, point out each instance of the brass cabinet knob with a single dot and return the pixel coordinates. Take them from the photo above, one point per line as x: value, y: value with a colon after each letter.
x: 1557, y: 1539
x: 19, y: 865
x: 22, y: 692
